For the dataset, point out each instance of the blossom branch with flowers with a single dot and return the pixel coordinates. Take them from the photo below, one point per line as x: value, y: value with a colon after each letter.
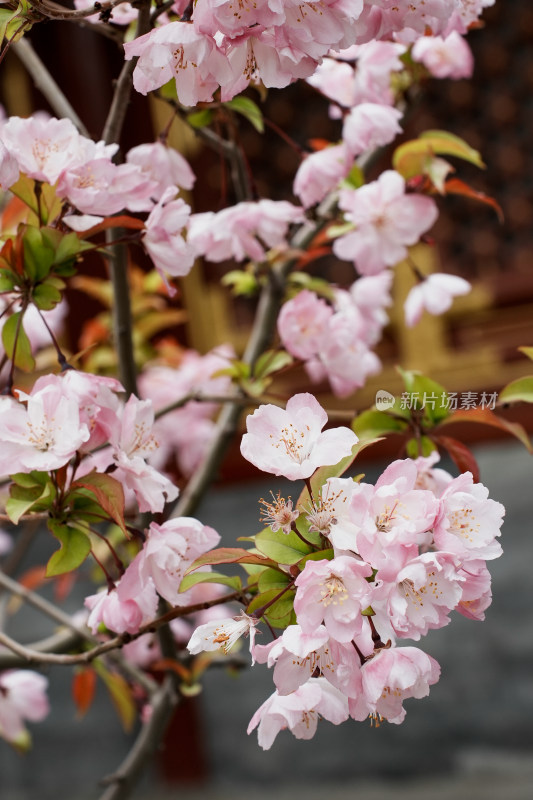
x: 340, y: 576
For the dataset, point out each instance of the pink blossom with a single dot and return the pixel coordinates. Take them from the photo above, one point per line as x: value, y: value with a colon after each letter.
x: 389, y: 678
x: 371, y: 295
x: 299, y: 711
x: 370, y: 125
x: 169, y: 549
x: 386, y: 222
x: 22, y: 697
x: 239, y: 231
x: 296, y: 656
x: 392, y: 519
x: 9, y: 170
x: 42, y: 432
x: 320, y: 173
x: 435, y: 480
x: 165, y: 166
x: 132, y: 603
x: 301, y: 324
x: 279, y: 515
x: 435, y: 294
x: 223, y: 634
x: 445, y: 58
x: 333, y: 592
x: 468, y: 522
x: 177, y: 50
x: 291, y: 442
x: 43, y: 148
x: 164, y: 238
x: 477, y: 594
x: 344, y: 356
x: 100, y: 187
x: 423, y: 593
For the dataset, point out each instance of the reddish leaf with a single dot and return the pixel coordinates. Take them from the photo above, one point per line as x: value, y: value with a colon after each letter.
x: 311, y: 255
x: 33, y: 577
x: 109, y: 493
x: 83, y: 689
x: 168, y: 664
x: 456, y: 186
x: 231, y: 555
x: 460, y: 454
x: 63, y: 586
x: 488, y: 417
x: 123, y: 221
x: 318, y: 144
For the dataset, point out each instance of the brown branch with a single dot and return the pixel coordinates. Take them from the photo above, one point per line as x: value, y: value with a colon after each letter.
x: 46, y: 84
x: 163, y: 704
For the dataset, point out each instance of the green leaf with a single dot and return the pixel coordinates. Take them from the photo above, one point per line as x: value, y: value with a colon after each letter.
x: 233, y: 581
x: 518, y: 390
x: 319, y: 555
x: 426, y: 394
x: 23, y: 499
x: 527, y: 351
x: 271, y: 361
x: 282, y: 548
x: 16, y: 343
x: 419, y: 447
x: 373, y: 423
x: 8, y: 280
x: 75, y: 547
x: 272, y: 579
x: 241, y: 282
x: 109, y: 493
x: 46, y: 296
x: 200, y: 119
x: 246, y: 107
x: 38, y: 254
x: 278, y: 611
x: 230, y: 555
x: 120, y: 693
x: 29, y: 479
x: 414, y: 157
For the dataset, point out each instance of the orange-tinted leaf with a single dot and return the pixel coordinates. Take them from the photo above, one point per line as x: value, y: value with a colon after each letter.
x: 63, y: 586
x: 120, y: 693
x: 456, y: 186
x: 461, y: 455
x: 83, y: 689
x: 488, y: 417
x: 231, y: 555
x: 109, y: 493
x: 318, y: 144
x: 168, y: 664
x: 123, y: 221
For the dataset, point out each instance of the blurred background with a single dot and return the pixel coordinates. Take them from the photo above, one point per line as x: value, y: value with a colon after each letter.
x: 473, y: 736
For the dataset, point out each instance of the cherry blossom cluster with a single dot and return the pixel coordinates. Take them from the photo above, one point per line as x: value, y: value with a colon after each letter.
x: 73, y: 414
x: 232, y: 43
x: 398, y: 557
x: 335, y: 341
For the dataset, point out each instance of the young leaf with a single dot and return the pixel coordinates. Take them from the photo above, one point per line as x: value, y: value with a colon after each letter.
x: 230, y: 555
x: 109, y: 493
x: 460, y: 454
x: 16, y: 343
x: 246, y: 107
x: 120, y: 693
x: 520, y: 390
x: 83, y: 689
x: 282, y: 548
x: 233, y: 581
x: 74, y: 549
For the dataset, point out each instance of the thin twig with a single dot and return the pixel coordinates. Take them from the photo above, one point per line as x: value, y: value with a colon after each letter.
x: 46, y: 84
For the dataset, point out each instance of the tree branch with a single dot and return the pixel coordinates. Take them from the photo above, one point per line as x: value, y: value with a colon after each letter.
x: 46, y: 84
x: 163, y: 704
